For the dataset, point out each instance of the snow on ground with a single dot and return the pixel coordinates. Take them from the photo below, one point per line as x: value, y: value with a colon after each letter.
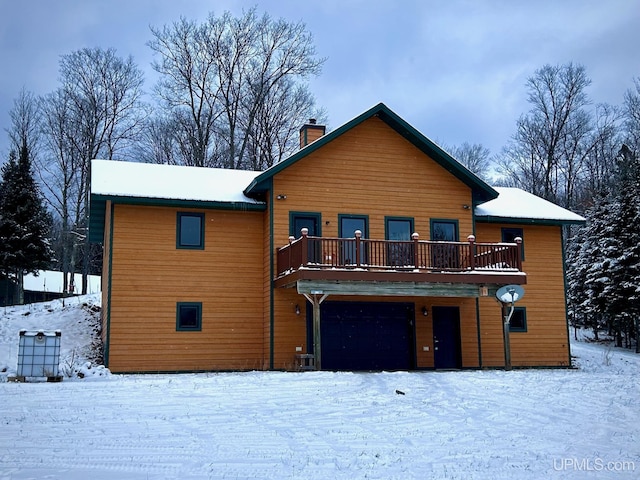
x: 522, y: 424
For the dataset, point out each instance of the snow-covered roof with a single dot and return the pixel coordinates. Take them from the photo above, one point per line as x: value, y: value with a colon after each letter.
x: 147, y: 180
x: 516, y: 204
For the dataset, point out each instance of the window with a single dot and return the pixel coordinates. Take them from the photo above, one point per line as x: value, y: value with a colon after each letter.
x: 518, y: 321
x: 348, y: 224
x: 444, y: 256
x: 509, y: 236
x: 308, y: 220
x: 399, y: 229
x: 190, y: 231
x: 189, y: 316
x: 444, y: 230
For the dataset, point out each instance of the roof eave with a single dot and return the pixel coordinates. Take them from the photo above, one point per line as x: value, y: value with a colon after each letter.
x: 528, y: 221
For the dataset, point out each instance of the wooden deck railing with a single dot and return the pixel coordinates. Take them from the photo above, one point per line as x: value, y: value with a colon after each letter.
x: 415, y: 254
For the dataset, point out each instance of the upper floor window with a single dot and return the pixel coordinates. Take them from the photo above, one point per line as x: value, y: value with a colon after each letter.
x: 444, y: 230
x: 509, y: 235
x: 190, y: 231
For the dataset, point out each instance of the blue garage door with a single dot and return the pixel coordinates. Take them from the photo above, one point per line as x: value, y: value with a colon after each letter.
x: 367, y: 336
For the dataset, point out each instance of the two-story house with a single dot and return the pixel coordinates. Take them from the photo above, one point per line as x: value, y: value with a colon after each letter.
x: 370, y: 248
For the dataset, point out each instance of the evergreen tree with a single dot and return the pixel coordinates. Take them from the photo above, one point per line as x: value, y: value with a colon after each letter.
x: 604, y: 259
x: 623, y: 291
x: 24, y: 221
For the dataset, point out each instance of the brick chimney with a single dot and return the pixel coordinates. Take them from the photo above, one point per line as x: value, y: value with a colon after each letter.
x: 310, y: 132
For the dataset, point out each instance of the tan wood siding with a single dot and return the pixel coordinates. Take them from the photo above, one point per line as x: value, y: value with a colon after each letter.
x: 151, y: 275
x: 545, y: 343
x: 370, y: 170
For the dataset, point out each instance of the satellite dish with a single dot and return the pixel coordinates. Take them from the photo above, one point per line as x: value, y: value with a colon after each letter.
x: 510, y: 293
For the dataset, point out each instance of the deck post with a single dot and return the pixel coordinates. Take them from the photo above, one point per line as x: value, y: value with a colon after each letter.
x: 304, y: 246
x: 519, y: 253
x: 290, y: 264
x: 472, y: 251
x: 358, y: 235
x: 416, y: 256
x: 316, y: 298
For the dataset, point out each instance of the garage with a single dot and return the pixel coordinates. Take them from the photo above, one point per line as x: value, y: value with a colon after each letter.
x: 366, y: 335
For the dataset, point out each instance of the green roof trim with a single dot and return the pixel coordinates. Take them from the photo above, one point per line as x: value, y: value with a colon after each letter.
x: 526, y: 221
x: 482, y: 192
x: 98, y: 204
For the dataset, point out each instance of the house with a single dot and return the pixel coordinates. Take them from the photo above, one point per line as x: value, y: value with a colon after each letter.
x: 370, y: 248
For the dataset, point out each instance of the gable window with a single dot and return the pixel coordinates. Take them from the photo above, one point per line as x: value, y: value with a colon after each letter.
x: 518, y: 322
x: 189, y: 316
x: 509, y: 236
x: 190, y: 231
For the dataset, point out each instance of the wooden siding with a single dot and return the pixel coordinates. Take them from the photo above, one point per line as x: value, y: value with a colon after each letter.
x: 150, y: 275
x: 546, y: 342
x: 370, y: 170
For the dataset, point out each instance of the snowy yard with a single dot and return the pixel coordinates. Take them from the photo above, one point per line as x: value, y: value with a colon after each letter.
x: 523, y: 424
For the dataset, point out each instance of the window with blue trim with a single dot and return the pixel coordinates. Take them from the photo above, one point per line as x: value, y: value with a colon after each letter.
x: 189, y: 316
x: 190, y: 231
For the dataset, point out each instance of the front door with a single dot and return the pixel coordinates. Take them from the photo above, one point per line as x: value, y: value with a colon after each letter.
x: 446, y: 338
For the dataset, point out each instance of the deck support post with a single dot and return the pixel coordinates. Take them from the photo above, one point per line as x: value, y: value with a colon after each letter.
x: 316, y: 298
x: 508, y: 312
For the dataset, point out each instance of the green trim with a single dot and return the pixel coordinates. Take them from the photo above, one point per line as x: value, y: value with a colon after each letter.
x: 526, y: 221
x: 109, y: 285
x: 402, y: 219
x: 480, y: 190
x: 479, y: 333
x: 271, y: 281
x: 198, y: 306
x: 354, y: 216
x: 524, y: 320
x: 444, y: 220
x: 564, y: 281
x: 179, y: 217
x: 293, y: 214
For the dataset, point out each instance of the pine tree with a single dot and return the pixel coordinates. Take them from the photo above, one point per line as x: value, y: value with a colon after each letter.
x: 24, y: 222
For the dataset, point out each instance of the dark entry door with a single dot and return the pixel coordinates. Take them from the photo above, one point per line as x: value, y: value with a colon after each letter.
x: 446, y: 337
x: 367, y: 336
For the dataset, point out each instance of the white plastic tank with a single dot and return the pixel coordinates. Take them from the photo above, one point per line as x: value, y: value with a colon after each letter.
x: 39, y: 354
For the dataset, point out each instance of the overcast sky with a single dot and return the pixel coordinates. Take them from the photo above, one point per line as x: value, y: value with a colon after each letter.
x: 454, y: 69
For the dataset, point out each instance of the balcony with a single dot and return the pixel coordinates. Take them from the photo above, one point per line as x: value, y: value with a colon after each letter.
x: 449, y: 268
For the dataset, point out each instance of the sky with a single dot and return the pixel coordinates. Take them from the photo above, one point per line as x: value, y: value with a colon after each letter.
x: 454, y: 69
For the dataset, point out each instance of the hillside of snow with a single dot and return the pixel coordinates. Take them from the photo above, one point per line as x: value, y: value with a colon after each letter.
x: 523, y: 424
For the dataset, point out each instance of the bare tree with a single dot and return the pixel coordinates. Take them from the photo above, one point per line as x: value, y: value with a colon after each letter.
x: 96, y: 113
x: 476, y: 157
x: 554, y: 136
x: 25, y: 128
x: 217, y: 78
x: 632, y: 116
